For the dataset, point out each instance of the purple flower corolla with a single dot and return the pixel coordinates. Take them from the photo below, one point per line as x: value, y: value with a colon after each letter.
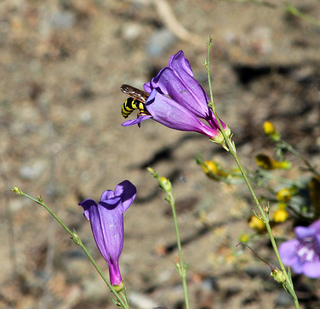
x: 106, y: 219
x: 178, y: 101
x: 303, y: 254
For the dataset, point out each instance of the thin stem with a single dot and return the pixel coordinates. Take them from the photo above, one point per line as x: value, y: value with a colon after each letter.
x: 181, y: 266
x: 263, y: 213
x: 76, y: 239
x: 294, y: 11
x: 166, y: 186
x: 300, y: 156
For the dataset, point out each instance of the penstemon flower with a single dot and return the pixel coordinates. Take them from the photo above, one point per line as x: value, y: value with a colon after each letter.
x: 178, y: 101
x: 303, y: 253
x: 106, y: 219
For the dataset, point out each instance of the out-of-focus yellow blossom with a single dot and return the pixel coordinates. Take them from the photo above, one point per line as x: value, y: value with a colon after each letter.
x: 284, y: 195
x: 314, y: 191
x: 282, y: 205
x: 268, y: 163
x: 213, y: 170
x: 280, y: 215
x: 256, y: 224
x: 270, y: 130
x: 244, y: 238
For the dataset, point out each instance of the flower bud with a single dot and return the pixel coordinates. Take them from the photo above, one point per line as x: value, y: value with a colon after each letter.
x: 165, y: 184
x: 270, y: 130
x: 213, y: 170
x: 268, y: 163
x: 284, y: 195
x: 244, y: 238
x: 278, y: 275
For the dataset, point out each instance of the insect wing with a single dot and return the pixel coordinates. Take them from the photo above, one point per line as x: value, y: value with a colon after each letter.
x: 135, y: 93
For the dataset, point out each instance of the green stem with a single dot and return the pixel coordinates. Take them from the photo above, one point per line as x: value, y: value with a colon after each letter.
x: 264, y: 213
x: 76, y: 239
x: 182, y: 266
x: 299, y: 156
x: 294, y: 11
x: 166, y: 186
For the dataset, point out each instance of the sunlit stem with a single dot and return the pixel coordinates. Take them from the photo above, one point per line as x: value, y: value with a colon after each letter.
x: 76, y: 239
x: 232, y: 149
x: 166, y: 185
x: 182, y: 268
x: 300, y: 156
x: 294, y: 11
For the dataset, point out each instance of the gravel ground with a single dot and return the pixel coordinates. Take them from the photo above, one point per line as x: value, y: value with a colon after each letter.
x: 62, y: 64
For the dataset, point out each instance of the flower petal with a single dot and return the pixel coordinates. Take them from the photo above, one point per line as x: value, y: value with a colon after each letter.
x: 127, y: 192
x: 177, y: 82
x: 111, y: 203
x: 297, y: 267
x: 317, y: 240
x: 180, y: 62
x: 182, y: 88
x: 107, y: 229
x: 106, y: 219
x: 288, y: 252
x: 107, y: 195
x: 303, y: 232
x: 136, y: 121
x: 87, y: 204
x: 171, y: 114
x: 316, y: 226
x: 312, y: 269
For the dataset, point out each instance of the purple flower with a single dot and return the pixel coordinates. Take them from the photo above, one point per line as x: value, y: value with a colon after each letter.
x: 178, y: 101
x: 303, y: 253
x: 106, y: 221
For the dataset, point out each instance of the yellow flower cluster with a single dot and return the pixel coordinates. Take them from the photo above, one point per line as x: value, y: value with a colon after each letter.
x: 213, y: 170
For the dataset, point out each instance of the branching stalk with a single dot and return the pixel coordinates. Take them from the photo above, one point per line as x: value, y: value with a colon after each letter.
x: 76, y: 239
x: 264, y: 213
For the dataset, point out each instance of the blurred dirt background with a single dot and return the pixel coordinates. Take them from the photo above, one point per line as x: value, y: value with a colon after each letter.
x: 61, y: 65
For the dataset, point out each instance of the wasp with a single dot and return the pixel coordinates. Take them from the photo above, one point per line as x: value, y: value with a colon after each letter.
x: 136, y: 100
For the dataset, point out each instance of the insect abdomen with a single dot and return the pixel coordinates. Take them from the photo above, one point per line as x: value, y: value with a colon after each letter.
x: 130, y: 105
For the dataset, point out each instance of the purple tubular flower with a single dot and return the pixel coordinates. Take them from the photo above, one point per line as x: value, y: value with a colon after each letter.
x: 106, y: 219
x: 178, y: 101
x: 171, y: 114
x: 303, y: 253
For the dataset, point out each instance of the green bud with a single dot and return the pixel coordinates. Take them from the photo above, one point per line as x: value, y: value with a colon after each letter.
x: 278, y: 275
x: 165, y: 184
x: 17, y: 190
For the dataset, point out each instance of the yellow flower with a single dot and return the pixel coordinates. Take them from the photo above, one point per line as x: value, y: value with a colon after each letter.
x: 244, y: 238
x: 213, y: 170
x: 268, y: 163
x: 280, y: 215
x: 270, y: 130
x: 209, y: 166
x: 284, y: 195
x: 256, y: 224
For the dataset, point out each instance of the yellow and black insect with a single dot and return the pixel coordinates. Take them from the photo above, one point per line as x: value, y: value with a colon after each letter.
x: 136, y: 100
